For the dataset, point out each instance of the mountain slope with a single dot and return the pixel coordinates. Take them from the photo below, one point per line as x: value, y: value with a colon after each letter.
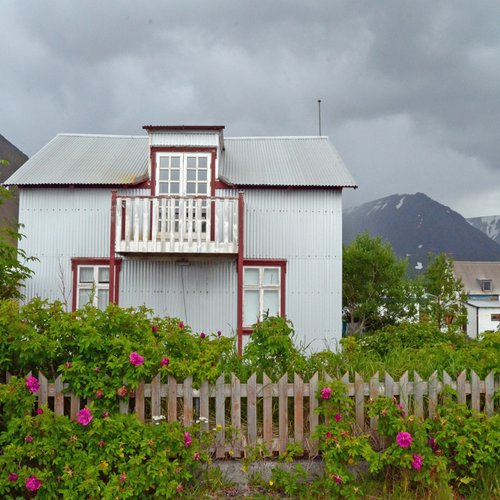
x: 489, y: 225
x: 9, y: 210
x: 416, y: 225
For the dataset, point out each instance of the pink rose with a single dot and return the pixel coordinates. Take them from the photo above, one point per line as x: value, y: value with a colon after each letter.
x: 181, y: 325
x: 154, y: 328
x: 326, y: 393
x: 337, y: 417
x: 328, y: 435
x: 219, y: 333
x: 122, y: 391
x: 123, y: 477
x: 404, y: 439
x: 39, y: 411
x: 136, y: 359
x: 33, y: 483
x: 32, y: 384
x: 197, y: 456
x: 85, y: 416
x: 13, y: 477
x: 28, y: 438
x: 187, y: 439
x: 417, y: 461
x: 202, y: 335
x: 164, y: 362
x: 179, y: 488
x: 68, y: 364
x: 337, y: 479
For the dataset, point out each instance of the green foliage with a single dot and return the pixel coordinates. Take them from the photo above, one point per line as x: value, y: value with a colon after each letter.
x: 443, y: 296
x: 375, y: 288
x: 271, y: 349
x: 111, y: 457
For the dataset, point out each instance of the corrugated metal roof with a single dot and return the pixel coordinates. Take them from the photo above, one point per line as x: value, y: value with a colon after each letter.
x: 81, y: 159
x: 472, y: 272
x: 283, y: 161
x: 484, y: 304
x: 86, y: 159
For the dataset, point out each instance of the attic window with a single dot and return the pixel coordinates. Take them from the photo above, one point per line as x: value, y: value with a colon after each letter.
x: 486, y: 285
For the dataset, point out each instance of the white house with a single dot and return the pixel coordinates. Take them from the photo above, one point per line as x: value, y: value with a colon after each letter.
x: 482, y: 284
x: 214, y: 230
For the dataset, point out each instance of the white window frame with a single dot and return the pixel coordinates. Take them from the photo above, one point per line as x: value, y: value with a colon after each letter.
x: 95, y: 285
x: 261, y: 288
x: 183, y: 174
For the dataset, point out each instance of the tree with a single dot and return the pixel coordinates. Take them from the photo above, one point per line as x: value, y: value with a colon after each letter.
x: 443, y: 298
x: 13, y: 269
x: 375, y: 290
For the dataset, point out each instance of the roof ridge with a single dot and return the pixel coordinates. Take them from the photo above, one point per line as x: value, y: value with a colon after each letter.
x: 291, y: 137
x: 117, y: 136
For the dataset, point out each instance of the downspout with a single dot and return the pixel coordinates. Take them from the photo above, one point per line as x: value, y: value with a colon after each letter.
x: 112, y: 242
x: 241, y: 218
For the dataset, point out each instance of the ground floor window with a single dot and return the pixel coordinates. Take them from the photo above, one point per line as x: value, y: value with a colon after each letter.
x: 91, y: 278
x: 263, y: 290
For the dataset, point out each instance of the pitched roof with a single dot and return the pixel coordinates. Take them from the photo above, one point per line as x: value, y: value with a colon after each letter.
x: 87, y: 160
x: 283, y: 161
x: 472, y: 273
x: 79, y: 159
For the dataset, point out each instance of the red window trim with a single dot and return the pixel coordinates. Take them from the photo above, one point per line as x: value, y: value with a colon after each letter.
x: 171, y: 149
x: 281, y: 263
x: 92, y: 261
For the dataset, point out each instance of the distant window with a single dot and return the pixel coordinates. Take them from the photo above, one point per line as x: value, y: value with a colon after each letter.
x: 486, y: 285
x: 495, y: 317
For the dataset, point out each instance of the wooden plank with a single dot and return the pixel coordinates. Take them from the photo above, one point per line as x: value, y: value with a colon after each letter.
x: 374, y: 394
x: 446, y: 382
x: 171, y: 219
x: 283, y: 414
x: 461, y: 390
x: 145, y: 207
x: 388, y: 386
x: 139, y: 401
x: 204, y: 406
x: 172, y: 399
x: 43, y: 392
x: 359, y: 401
x: 418, y: 395
x: 59, y: 396
x: 298, y: 410
x: 236, y: 414
x: 404, y: 392
x: 128, y: 224
x: 433, y: 394
x: 118, y: 212
x: 226, y: 221
x: 154, y: 223
x: 267, y: 392
x: 188, y: 401
x: 489, y: 385
x: 475, y: 396
x: 313, y: 415
x: 156, y: 397
x: 136, y: 220
x: 220, y: 417
x: 252, y: 410
x: 74, y: 406
x: 234, y: 212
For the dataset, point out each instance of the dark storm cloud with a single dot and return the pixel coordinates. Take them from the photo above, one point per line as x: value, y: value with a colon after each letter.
x: 409, y: 89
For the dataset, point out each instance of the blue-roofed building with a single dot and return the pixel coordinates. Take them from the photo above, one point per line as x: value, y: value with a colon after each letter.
x: 216, y: 231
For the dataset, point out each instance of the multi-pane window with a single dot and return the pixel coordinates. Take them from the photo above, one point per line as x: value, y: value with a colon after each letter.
x: 261, y: 293
x: 93, y: 286
x: 184, y: 175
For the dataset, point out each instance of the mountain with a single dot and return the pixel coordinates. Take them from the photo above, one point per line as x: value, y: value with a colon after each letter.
x: 488, y: 225
x: 415, y: 225
x: 10, y: 209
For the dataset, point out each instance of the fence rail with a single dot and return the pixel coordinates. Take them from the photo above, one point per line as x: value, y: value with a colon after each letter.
x: 276, y: 413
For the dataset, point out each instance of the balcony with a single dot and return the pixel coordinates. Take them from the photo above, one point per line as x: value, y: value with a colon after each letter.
x: 176, y: 224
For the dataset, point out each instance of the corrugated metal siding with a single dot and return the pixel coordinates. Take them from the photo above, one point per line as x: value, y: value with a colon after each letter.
x: 60, y: 224
x: 188, y: 139
x: 203, y: 294
x: 86, y: 159
x: 304, y: 227
x: 283, y: 161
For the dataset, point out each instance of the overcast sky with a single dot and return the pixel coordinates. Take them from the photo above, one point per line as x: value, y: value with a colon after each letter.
x: 410, y: 90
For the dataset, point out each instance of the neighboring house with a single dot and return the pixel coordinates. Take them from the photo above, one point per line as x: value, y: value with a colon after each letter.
x: 481, y: 282
x: 216, y: 231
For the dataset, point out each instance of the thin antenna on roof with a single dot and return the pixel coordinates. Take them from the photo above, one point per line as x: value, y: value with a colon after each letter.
x: 319, y: 116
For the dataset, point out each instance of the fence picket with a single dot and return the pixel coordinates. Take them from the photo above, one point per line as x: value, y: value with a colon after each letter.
x: 267, y: 392
x: 358, y: 390
x: 283, y: 413
x: 252, y: 410
x: 220, y: 416
x: 298, y: 410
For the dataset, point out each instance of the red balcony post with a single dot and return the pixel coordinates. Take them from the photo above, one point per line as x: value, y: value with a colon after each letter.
x: 241, y: 218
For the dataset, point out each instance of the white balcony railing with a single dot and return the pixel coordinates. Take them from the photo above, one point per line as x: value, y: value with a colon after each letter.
x: 176, y: 224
